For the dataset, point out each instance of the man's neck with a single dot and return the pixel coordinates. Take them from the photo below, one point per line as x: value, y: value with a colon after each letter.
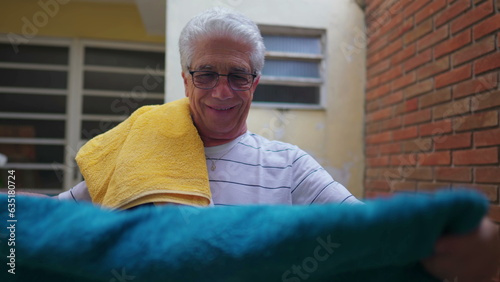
x: 210, y: 142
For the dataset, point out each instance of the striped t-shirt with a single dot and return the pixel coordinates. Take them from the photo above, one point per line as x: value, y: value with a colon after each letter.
x: 254, y: 170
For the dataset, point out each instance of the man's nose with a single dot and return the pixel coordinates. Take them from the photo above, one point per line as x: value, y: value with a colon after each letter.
x: 222, y: 91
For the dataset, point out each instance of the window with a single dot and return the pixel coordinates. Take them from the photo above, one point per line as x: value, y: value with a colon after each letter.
x: 293, y: 73
x: 57, y: 94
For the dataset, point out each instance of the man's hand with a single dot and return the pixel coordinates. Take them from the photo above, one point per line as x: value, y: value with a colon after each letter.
x: 473, y: 257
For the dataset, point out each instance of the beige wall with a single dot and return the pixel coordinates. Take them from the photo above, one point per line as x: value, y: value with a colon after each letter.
x: 334, y: 135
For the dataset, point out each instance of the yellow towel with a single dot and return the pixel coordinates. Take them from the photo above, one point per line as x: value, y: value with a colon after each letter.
x: 156, y: 155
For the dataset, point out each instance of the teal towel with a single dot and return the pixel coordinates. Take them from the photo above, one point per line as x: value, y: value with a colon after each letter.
x: 380, y: 241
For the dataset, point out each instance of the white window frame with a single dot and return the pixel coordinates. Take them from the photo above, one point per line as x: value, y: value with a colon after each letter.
x: 74, y: 101
x: 269, y: 80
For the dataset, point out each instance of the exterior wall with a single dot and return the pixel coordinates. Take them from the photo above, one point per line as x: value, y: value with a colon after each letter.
x: 63, y: 18
x: 433, y: 97
x: 333, y: 135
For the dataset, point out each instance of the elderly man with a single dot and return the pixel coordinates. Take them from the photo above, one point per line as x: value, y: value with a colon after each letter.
x: 222, y: 55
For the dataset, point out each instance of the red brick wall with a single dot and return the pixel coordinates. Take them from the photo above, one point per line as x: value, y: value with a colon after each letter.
x: 432, y: 97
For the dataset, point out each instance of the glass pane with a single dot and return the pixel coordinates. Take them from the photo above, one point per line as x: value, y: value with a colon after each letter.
x: 134, y: 83
x: 291, y: 68
x: 124, y: 58
x: 33, y: 54
x: 32, y: 103
x: 115, y: 106
x: 33, y: 78
x: 287, y: 94
x: 31, y: 128
x: 91, y: 129
x: 30, y: 179
x: 295, y: 44
x: 28, y: 153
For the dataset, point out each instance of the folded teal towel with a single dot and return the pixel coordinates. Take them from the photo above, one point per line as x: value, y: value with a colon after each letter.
x: 380, y: 241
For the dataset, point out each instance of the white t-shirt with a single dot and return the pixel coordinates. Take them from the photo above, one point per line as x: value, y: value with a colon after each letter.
x: 254, y: 170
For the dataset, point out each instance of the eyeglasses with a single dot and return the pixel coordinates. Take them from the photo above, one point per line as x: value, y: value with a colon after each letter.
x: 209, y: 79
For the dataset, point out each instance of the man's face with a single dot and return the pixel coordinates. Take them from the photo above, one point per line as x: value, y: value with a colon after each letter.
x: 219, y: 113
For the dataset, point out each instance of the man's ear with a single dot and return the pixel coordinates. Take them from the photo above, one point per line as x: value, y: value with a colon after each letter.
x: 255, y: 83
x: 183, y: 74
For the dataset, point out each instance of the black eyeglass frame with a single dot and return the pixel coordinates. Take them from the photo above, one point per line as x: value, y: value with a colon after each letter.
x: 228, y: 79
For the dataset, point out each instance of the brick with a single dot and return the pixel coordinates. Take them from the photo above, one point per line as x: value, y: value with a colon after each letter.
x: 414, y: 6
x: 487, y: 174
x: 377, y: 161
x: 476, y: 156
x: 373, y: 172
x: 407, y: 52
x: 371, y: 151
x: 391, y: 23
x: 434, y: 98
x: 476, y: 50
x: 418, y: 60
x: 494, y: 213
x: 406, y: 106
x: 379, y: 115
x: 435, y: 158
x: 419, y: 31
x: 377, y: 184
x: 403, y: 81
x: 420, y: 173
x: 379, y: 138
x: 376, y: 43
x: 392, y: 123
x: 476, y: 121
x: 379, y: 67
x: 456, y: 141
x: 378, y: 92
x: 403, y: 159
x: 476, y: 85
x: 487, y: 26
x: 390, y: 148
x: 372, y: 82
x: 484, y: 101
x: 391, y: 74
x: 417, y: 117
x: 386, y: 52
x: 403, y: 185
x: 487, y: 138
x: 451, y: 109
x: 369, y: 195
x: 431, y: 39
x: 392, y: 98
x: 452, y: 44
x: 453, y: 76
x: 433, y: 187
x: 418, y: 145
x: 472, y: 16
x: 400, y: 30
x: 429, y: 10
x: 434, y: 68
x: 452, y: 11
x: 372, y: 128
x: 490, y: 191
x: 434, y: 128
x: 487, y: 63
x: 418, y: 88
x: 372, y: 106
x: 454, y: 174
x: 405, y: 133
